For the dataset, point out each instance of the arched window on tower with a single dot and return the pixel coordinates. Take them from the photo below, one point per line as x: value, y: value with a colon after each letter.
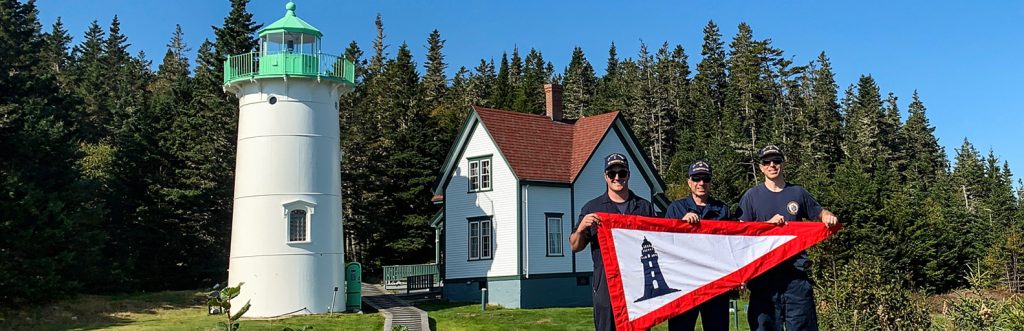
x: 298, y: 216
x: 297, y: 225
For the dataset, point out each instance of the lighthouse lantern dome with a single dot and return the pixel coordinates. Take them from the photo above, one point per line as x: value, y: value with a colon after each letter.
x: 290, y: 34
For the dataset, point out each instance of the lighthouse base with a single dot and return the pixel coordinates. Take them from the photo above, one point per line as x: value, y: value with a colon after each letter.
x: 298, y: 284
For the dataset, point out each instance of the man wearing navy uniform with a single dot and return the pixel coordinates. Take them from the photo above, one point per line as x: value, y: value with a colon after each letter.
x: 618, y: 199
x: 699, y: 205
x: 782, y: 296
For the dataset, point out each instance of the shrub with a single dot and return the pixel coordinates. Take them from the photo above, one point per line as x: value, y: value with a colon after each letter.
x: 975, y: 310
x: 860, y: 296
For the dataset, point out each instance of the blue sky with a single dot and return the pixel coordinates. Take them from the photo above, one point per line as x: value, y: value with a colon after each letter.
x: 963, y: 57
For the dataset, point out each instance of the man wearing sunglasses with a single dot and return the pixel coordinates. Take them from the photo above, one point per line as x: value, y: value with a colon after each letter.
x: 618, y: 199
x: 699, y: 205
x: 783, y: 295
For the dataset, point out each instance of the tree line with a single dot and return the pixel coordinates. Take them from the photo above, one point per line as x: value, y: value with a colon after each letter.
x: 118, y: 177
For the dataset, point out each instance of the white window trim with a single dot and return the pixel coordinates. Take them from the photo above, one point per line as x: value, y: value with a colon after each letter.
x: 484, y: 167
x: 310, y: 209
x: 474, y: 176
x: 479, y: 235
x: 548, y: 218
x: 485, y: 170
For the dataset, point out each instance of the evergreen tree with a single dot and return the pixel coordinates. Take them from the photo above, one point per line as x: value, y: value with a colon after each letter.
x: 999, y: 202
x: 379, y: 48
x: 745, y: 93
x: 355, y: 54
x: 667, y: 87
x: 51, y: 228
x: 238, y: 33
x: 404, y: 159
x: 713, y: 132
x: 607, y: 96
x: 175, y: 64
x: 926, y: 159
x: 126, y: 80
x: 90, y: 84
x: 967, y: 171
x: 515, y: 74
x: 864, y: 113
x: 482, y: 85
x: 529, y: 95
x: 826, y: 121
x: 356, y: 127
x: 56, y: 52
x: 452, y: 111
x: 503, y: 89
x: 643, y: 105
x: 891, y: 141
x: 709, y: 95
x: 434, y: 82
x: 205, y: 178
x: 580, y: 85
x: 674, y: 73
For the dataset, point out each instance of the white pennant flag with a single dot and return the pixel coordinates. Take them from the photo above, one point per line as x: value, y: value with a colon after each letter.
x: 658, y: 268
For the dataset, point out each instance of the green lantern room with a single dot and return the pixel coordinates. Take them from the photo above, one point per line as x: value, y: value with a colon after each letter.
x: 289, y: 47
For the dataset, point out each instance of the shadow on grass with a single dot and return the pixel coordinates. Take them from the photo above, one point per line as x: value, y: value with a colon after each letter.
x: 95, y: 311
x: 433, y: 323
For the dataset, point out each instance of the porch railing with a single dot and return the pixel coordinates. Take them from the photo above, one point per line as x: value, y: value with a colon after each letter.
x: 395, y: 275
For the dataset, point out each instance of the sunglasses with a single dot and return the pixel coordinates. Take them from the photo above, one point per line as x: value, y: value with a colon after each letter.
x: 620, y: 174
x: 770, y: 161
x: 698, y: 179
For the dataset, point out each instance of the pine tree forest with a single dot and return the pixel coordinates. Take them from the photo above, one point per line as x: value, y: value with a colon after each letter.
x: 117, y: 172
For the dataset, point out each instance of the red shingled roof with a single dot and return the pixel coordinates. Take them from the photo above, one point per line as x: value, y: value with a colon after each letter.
x: 540, y: 149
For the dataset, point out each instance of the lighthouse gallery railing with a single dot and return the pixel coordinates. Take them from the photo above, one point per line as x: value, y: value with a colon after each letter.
x: 321, y: 66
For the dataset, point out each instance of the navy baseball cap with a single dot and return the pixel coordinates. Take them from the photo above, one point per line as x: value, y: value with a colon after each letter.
x: 699, y: 168
x: 771, y: 151
x: 615, y: 159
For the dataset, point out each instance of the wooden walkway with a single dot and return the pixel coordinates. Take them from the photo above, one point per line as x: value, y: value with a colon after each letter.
x: 396, y: 311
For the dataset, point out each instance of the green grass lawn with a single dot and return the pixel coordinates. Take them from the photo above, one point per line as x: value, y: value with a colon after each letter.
x: 462, y: 316
x: 186, y: 310
x: 173, y: 310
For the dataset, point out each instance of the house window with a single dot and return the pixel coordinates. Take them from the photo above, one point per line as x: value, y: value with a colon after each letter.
x: 554, y: 234
x: 297, y: 225
x: 480, y: 238
x: 480, y: 174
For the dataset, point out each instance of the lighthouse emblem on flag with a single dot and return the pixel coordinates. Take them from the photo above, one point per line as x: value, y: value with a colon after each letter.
x: 654, y: 282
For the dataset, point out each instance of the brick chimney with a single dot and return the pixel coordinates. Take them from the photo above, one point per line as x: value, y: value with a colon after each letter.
x: 553, y: 101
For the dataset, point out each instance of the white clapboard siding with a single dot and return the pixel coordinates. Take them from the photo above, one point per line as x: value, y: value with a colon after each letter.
x: 539, y: 201
x: 499, y: 203
x: 590, y: 184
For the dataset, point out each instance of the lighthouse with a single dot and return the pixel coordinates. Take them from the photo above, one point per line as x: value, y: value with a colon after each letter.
x: 286, y: 230
x: 654, y: 281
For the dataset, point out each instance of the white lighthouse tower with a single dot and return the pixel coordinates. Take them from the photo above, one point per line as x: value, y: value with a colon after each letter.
x: 286, y: 232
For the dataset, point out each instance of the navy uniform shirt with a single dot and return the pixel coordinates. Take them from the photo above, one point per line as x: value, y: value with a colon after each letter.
x: 635, y: 205
x: 794, y: 203
x: 713, y: 210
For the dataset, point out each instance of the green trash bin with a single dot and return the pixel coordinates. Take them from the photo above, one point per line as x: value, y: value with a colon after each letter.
x: 353, y: 287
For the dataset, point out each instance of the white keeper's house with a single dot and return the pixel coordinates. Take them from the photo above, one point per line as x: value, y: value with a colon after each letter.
x: 511, y: 190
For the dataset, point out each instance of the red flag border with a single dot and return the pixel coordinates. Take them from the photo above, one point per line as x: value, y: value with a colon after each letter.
x: 806, y: 235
